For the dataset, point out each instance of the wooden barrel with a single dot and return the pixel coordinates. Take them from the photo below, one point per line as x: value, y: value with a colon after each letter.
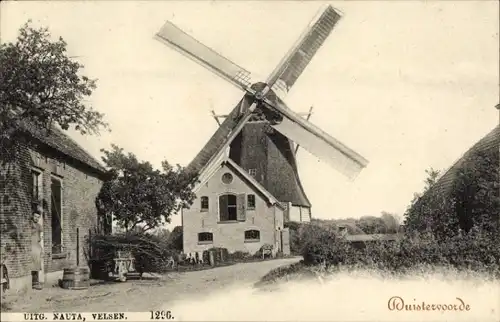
x: 76, y: 278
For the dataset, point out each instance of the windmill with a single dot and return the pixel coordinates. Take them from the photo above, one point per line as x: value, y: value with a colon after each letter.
x: 260, y: 132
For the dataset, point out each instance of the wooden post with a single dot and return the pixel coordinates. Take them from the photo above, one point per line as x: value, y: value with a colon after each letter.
x: 307, y: 119
x: 215, y: 117
x: 77, y: 247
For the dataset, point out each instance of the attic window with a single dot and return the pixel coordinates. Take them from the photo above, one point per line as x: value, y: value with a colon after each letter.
x: 252, y: 172
x: 227, y: 178
x: 204, y: 203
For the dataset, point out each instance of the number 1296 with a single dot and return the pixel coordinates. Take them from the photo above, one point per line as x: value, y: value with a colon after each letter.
x: 161, y: 315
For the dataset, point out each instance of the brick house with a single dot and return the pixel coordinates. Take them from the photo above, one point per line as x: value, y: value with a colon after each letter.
x: 51, y: 170
x: 232, y: 210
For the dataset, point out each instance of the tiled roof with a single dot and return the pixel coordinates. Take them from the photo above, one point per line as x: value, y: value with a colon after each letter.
x: 60, y: 141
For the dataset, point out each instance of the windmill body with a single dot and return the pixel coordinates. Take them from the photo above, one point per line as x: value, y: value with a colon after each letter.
x: 269, y: 156
x: 248, y: 181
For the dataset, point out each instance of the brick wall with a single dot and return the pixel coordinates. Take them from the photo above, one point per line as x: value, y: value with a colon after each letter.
x: 230, y: 235
x: 80, y: 186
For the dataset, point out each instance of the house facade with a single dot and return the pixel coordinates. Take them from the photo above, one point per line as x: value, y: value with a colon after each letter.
x: 232, y: 210
x: 51, y: 171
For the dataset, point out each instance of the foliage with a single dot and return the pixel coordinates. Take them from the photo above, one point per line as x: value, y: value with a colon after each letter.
x: 161, y: 232
x: 477, y: 250
x: 372, y: 225
x: 240, y: 256
x: 138, y: 194
x: 293, y: 271
x: 387, y: 223
x: 175, y: 238
x: 42, y: 84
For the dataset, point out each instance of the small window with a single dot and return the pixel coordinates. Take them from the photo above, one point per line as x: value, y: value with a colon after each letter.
x: 205, y: 238
x: 250, y: 201
x: 36, y: 183
x: 204, y: 203
x: 252, y: 172
x: 252, y: 235
x: 227, y: 178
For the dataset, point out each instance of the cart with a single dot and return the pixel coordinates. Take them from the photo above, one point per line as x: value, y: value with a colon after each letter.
x: 124, y: 263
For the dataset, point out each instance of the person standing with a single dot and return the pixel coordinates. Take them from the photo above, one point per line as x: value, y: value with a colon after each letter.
x: 36, y: 249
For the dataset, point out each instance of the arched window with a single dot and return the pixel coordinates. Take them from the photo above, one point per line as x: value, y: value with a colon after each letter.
x: 227, y: 207
x: 205, y: 238
x: 252, y: 235
x: 204, y: 203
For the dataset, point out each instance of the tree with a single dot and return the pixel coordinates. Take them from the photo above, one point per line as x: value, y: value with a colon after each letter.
x: 372, y: 225
x: 175, y: 238
x: 426, y: 207
x: 137, y: 194
x: 391, y: 221
x: 42, y: 85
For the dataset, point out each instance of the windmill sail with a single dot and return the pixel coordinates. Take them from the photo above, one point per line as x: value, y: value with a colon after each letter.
x: 319, y: 143
x: 295, y: 61
x: 174, y: 37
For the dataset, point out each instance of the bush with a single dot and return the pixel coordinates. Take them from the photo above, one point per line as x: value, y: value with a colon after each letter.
x: 239, y: 256
x: 295, y: 231
x: 280, y: 272
x: 477, y: 250
x: 221, y: 255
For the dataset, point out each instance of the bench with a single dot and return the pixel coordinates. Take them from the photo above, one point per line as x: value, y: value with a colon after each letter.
x: 267, y: 250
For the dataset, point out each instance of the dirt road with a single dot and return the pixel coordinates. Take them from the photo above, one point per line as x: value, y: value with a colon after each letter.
x: 145, y: 295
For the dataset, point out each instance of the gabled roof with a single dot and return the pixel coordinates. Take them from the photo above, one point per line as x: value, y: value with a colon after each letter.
x: 235, y: 167
x: 61, y: 142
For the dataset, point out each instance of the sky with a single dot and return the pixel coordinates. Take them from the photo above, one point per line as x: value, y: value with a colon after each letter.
x: 409, y: 85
